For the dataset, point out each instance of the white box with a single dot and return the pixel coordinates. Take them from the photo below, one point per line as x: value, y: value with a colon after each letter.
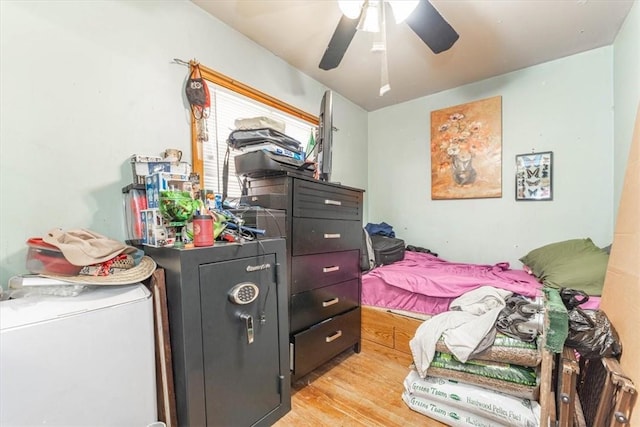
x: 142, y: 166
x: 87, y: 360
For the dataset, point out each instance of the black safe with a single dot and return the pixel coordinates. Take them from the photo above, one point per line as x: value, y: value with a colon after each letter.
x: 228, y: 317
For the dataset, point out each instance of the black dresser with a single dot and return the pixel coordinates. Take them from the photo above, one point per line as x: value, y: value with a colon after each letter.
x: 324, y: 236
x: 228, y: 317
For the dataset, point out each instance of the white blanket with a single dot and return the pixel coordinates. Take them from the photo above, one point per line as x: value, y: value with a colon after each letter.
x: 472, y: 316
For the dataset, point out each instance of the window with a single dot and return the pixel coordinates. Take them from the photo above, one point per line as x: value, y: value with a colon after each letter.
x: 231, y: 100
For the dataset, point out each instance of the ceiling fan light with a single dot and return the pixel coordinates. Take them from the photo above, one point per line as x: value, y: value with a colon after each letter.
x: 370, y: 19
x: 350, y: 8
x: 402, y: 8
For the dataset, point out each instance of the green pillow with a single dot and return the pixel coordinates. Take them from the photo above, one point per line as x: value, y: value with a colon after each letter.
x: 576, y: 264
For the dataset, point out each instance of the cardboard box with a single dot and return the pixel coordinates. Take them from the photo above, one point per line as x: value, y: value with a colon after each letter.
x: 154, y: 231
x: 143, y: 166
x: 621, y: 291
x: 157, y: 182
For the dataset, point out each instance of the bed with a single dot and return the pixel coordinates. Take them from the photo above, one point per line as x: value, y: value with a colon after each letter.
x: 425, y: 284
x: 398, y: 298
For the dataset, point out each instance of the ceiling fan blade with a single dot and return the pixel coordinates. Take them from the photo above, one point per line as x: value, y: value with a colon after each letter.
x: 431, y: 27
x: 339, y: 43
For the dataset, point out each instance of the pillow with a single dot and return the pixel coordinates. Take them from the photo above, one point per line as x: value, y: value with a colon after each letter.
x: 576, y: 264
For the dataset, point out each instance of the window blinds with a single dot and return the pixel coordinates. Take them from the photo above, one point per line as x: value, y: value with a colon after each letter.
x: 226, y: 107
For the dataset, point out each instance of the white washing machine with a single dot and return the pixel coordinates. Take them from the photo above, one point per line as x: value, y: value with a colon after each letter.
x: 87, y: 360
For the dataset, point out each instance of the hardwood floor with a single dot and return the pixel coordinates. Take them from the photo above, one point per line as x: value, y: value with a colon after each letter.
x: 355, y: 390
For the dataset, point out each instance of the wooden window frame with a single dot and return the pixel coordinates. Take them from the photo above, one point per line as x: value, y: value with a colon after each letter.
x: 242, y: 89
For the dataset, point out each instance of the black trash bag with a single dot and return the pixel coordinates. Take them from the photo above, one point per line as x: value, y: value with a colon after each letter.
x: 571, y: 298
x: 590, y: 331
x: 592, y: 334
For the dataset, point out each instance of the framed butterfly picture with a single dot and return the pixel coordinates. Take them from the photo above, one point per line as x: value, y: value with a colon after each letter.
x: 534, y: 176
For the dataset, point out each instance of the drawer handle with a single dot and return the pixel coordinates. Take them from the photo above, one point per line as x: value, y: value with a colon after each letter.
x: 333, y: 337
x: 331, y: 235
x: 330, y: 269
x: 332, y: 202
x: 330, y: 302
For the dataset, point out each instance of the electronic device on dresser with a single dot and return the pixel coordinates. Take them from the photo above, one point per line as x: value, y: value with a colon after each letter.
x: 263, y: 162
x: 323, y: 150
x: 323, y: 238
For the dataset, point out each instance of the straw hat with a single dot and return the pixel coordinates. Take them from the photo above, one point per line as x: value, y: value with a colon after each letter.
x: 140, y: 272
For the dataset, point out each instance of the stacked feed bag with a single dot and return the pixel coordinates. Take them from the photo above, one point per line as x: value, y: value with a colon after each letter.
x: 497, y: 385
x: 516, y: 380
x: 459, y: 404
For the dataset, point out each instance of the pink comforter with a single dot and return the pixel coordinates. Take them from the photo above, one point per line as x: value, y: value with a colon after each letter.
x: 426, y: 284
x: 432, y: 276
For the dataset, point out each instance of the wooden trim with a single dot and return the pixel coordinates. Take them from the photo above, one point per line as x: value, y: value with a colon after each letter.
x: 243, y: 89
x: 165, y: 392
x: 197, y: 159
x: 388, y: 329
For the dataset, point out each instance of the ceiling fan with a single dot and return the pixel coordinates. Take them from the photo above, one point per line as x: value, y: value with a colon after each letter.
x: 366, y: 15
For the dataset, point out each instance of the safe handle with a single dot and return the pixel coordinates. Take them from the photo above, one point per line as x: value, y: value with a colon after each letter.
x: 249, y: 324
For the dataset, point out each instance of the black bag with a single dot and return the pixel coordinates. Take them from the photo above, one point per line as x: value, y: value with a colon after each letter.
x: 592, y: 334
x: 197, y: 93
x: 590, y: 331
x: 387, y: 250
x: 367, y: 257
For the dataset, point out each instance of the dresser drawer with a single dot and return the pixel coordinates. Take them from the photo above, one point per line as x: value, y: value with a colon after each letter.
x: 318, y: 344
x: 314, y: 306
x: 315, y: 271
x: 319, y: 200
x: 269, y: 192
x: 314, y: 236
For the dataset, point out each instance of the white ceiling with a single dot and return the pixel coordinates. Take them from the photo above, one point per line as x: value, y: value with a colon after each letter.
x: 496, y: 37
